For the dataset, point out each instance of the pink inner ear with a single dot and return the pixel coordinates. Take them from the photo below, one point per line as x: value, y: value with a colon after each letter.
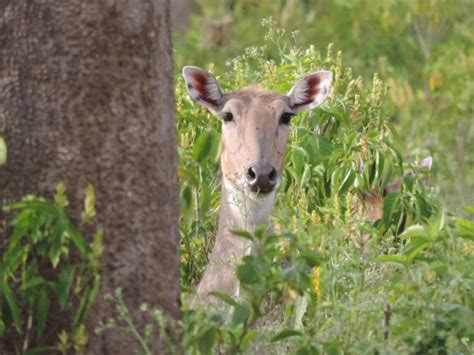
x: 312, y: 90
x: 200, y: 85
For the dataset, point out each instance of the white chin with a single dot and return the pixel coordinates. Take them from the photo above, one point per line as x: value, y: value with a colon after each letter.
x: 249, y: 208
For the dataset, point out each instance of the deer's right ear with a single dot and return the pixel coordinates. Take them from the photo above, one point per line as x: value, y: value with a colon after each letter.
x: 203, y: 87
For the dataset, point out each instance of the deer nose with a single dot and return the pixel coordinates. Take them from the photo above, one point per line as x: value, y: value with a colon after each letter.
x: 261, y: 178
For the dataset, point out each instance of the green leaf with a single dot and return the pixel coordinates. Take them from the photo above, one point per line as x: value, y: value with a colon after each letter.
x: 392, y: 259
x: 11, y: 301
x: 34, y: 281
x: 347, y: 182
x: 224, y: 297
x: 42, y: 308
x: 242, y: 233
x: 77, y: 238
x: 247, y: 272
x: 287, y: 333
x: 469, y: 209
x: 2, y: 328
x: 89, y: 205
x: 412, y: 249
x: 240, y: 315
x: 465, y: 229
x: 63, y: 285
x: 312, y: 259
x: 324, y: 146
x: 207, y: 341
x: 86, y: 301
x: 3, y: 151
x: 389, y: 206
x: 203, y: 148
x: 415, y: 231
x: 60, y: 197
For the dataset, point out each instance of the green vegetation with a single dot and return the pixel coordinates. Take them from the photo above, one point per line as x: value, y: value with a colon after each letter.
x: 331, y: 280
x: 42, y: 234
x: 422, y: 49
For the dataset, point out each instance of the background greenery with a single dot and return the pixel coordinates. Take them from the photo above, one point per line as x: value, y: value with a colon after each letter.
x: 422, y: 49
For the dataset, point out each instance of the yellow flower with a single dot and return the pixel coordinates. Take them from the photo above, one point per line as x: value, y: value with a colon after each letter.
x: 316, y: 281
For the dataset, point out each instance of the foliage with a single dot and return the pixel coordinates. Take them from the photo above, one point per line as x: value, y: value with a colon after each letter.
x: 410, y: 270
x: 3, y: 152
x: 47, y: 265
x: 422, y: 49
x: 125, y: 323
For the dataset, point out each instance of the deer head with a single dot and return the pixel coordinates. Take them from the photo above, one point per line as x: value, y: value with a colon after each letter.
x: 255, y: 126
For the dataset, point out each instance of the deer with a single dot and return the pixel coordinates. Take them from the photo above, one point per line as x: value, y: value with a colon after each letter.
x: 255, y: 131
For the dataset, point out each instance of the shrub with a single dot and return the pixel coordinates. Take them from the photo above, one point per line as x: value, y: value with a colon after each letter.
x: 47, y: 265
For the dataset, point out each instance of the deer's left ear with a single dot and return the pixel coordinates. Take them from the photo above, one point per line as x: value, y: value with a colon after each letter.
x: 310, y: 91
x: 204, y: 88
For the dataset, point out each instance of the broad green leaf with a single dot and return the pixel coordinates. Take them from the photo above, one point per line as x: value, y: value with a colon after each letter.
x: 63, y: 285
x: 207, y: 341
x: 465, y: 229
x: 77, y: 238
x: 415, y: 231
x: 240, y: 315
x: 12, y: 305
x: 2, y: 328
x: 203, y: 148
x: 246, y: 272
x: 297, y: 159
x: 324, y: 146
x: 242, y: 233
x: 224, y: 297
x: 34, y: 281
x: 286, y: 334
x: 3, y: 151
x: 42, y: 308
x: 412, y: 249
x: 347, y: 182
x: 390, y: 203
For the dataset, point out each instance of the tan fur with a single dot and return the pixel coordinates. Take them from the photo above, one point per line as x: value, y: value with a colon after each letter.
x: 255, y: 133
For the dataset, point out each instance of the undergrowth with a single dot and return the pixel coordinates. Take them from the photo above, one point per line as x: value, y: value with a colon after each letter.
x: 401, y: 283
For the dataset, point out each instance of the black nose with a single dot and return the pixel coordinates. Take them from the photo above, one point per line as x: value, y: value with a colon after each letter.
x: 261, y: 178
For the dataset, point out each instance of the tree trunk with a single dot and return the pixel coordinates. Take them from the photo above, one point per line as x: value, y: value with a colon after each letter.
x: 86, y: 95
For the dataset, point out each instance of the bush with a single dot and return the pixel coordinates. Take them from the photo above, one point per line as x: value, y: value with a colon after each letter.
x: 39, y: 274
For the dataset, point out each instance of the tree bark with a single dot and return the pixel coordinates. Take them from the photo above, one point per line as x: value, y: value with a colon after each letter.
x: 86, y: 95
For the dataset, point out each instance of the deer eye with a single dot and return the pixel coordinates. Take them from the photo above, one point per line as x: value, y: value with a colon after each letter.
x: 228, y: 117
x: 286, y: 118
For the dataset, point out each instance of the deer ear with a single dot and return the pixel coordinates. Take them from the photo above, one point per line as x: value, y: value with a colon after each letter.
x: 203, y: 87
x: 311, y: 91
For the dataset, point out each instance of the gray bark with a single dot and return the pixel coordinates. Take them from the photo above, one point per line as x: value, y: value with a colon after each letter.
x: 86, y: 95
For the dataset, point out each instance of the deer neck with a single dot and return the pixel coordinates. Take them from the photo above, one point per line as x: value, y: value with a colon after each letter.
x: 239, y: 211
x: 243, y: 210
